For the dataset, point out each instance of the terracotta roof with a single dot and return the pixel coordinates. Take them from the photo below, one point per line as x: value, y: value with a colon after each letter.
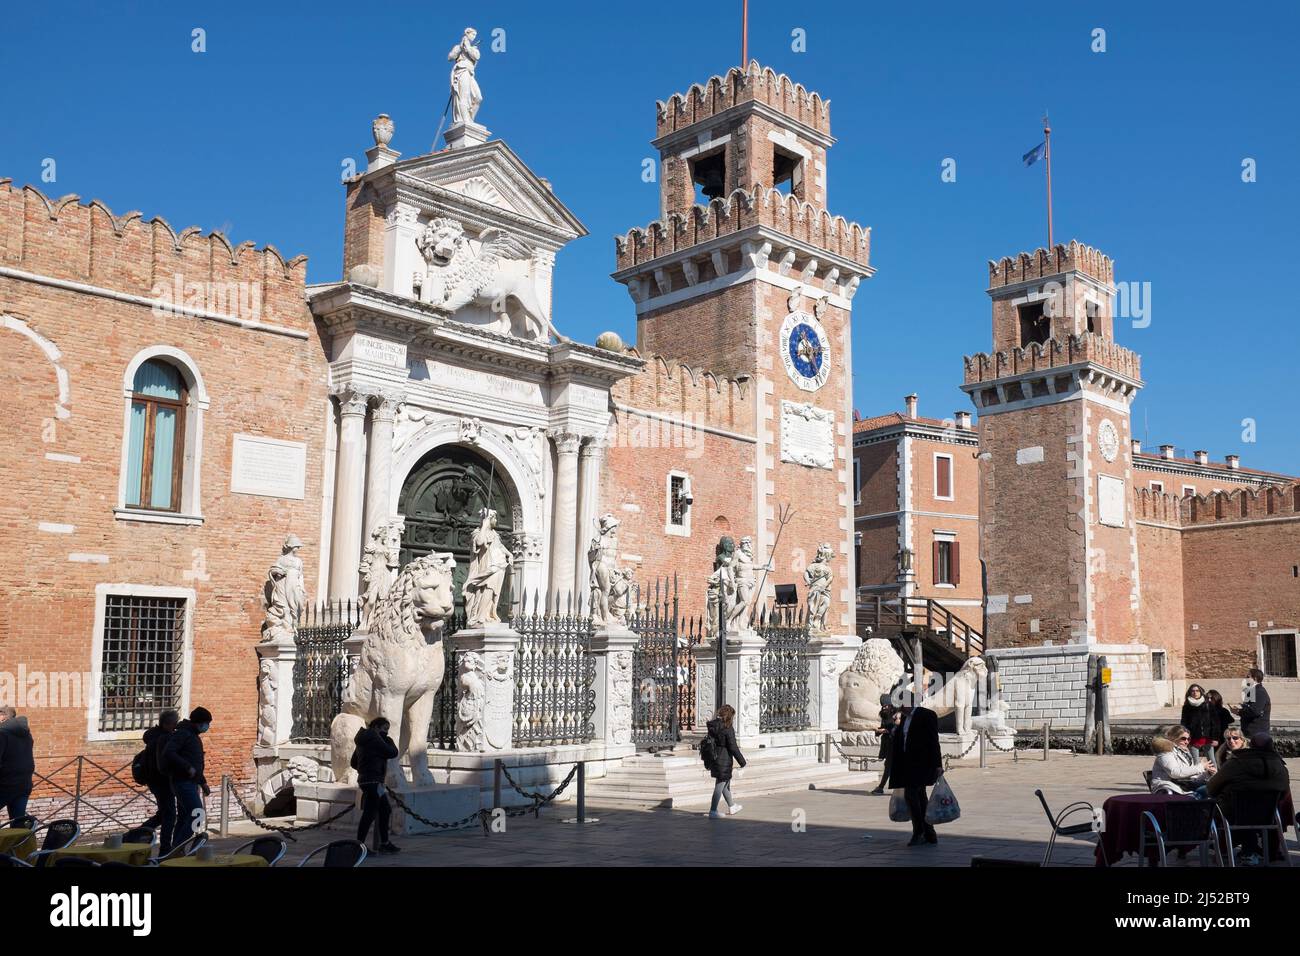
x: 1215, y: 465
x: 896, y: 418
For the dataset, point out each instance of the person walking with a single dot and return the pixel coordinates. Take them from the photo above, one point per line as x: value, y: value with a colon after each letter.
x: 182, y: 760
x: 1256, y: 709
x: 156, y: 779
x: 917, y: 764
x: 17, y: 766
x: 374, y: 748
x: 890, y: 717
x: 1200, y: 720
x: 726, y: 754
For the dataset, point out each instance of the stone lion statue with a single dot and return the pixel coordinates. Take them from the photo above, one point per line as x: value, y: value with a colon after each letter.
x: 958, y: 694
x: 494, y: 276
x: 875, y: 670
x: 400, y: 669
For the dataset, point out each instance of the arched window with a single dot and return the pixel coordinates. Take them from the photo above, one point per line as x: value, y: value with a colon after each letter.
x: 156, y: 442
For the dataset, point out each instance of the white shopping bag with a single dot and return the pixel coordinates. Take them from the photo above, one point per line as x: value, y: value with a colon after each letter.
x: 942, y: 807
x: 898, y: 811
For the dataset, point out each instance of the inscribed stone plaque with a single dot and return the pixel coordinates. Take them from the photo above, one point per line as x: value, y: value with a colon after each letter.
x: 380, y: 351
x: 807, y: 435
x: 268, y: 467
x: 1110, y: 501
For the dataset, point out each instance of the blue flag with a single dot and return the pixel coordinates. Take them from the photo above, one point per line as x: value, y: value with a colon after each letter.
x: 1035, y: 154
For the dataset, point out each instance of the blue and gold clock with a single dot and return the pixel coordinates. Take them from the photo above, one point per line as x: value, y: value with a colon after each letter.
x: 805, y: 351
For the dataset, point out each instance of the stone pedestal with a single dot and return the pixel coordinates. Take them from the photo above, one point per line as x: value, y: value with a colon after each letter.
x: 275, y: 693
x: 612, y: 649
x: 824, y: 666
x: 491, y: 720
x: 741, y: 665
x: 461, y: 135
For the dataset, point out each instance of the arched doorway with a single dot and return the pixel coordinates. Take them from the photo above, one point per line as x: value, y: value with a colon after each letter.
x: 440, y: 501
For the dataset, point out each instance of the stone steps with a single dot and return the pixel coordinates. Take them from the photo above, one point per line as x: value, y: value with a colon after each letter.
x: 681, y: 780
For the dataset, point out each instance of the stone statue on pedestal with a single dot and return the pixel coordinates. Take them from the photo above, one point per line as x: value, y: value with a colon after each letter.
x: 378, y: 568
x: 721, y: 599
x: 818, y: 577
x: 601, y: 554
x: 487, y: 572
x: 284, y: 594
x: 466, y: 97
x: 742, y: 572
x: 875, y: 670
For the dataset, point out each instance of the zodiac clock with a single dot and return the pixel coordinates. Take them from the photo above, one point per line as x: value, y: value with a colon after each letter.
x: 805, y: 351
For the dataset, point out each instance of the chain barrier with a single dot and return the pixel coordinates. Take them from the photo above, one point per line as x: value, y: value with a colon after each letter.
x: 1006, y: 750
x: 287, y: 831
x: 865, y: 758
x: 949, y: 758
x: 538, y: 800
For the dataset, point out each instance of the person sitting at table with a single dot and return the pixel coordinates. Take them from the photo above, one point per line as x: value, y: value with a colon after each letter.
x: 1232, y: 742
x: 1177, y: 769
x: 1257, y: 767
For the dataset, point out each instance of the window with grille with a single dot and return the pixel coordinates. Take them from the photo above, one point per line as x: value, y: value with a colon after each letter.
x: 142, y: 660
x: 678, y: 500
x: 1279, y: 655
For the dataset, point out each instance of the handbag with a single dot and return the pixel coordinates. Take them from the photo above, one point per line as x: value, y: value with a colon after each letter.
x: 943, y: 807
x: 898, y: 811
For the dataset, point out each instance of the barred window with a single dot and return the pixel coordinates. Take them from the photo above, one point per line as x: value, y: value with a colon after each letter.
x: 141, y: 666
x: 678, y: 500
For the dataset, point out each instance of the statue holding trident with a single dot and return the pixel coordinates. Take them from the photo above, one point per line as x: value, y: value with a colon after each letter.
x: 466, y: 97
x: 487, y: 572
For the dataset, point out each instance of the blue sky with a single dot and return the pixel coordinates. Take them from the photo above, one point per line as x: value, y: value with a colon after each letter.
x: 1148, y: 142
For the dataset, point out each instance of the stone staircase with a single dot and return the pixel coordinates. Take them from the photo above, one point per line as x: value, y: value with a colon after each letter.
x: 678, y: 778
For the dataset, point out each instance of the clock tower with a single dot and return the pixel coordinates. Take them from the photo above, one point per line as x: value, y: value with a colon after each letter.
x: 748, y: 276
x: 1057, y: 529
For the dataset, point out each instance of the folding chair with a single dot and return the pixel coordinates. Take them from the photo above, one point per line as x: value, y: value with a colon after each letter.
x: 58, y: 834
x: 271, y: 849
x: 1146, y: 775
x: 340, y: 853
x: 1073, y: 830
x: 13, y: 862
x: 1188, y: 823
x: 1256, y: 811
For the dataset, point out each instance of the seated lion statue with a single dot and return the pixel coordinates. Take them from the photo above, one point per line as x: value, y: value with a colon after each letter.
x: 400, y: 669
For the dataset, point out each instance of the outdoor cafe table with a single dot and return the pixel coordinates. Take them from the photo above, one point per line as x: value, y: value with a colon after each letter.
x: 1123, y: 813
x: 221, y: 859
x: 137, y: 854
x: 17, y: 841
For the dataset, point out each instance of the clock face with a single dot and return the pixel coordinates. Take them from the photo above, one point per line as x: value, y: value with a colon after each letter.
x: 1108, y: 439
x: 805, y: 351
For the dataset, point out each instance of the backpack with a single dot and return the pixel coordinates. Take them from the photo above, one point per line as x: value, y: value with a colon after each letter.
x: 140, y: 771
x: 709, y: 752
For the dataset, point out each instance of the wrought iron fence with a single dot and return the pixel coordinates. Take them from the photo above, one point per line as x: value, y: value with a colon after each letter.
x: 689, y: 636
x: 320, y: 671
x: 555, y: 675
x: 657, y: 661
x: 783, y: 669
x: 442, y: 728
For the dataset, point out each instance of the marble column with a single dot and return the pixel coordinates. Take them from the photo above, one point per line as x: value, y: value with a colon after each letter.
x: 564, y: 534
x: 349, y: 500
x: 590, y: 459
x: 380, y: 476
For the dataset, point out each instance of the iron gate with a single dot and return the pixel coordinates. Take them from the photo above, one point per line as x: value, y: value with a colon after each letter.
x: 783, y: 670
x: 661, y: 669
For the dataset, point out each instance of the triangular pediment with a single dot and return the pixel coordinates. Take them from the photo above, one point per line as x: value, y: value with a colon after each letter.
x: 492, y: 175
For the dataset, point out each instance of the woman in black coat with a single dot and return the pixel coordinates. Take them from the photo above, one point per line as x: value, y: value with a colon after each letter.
x: 1222, y: 718
x: 1200, y: 720
x: 370, y: 760
x: 726, y: 753
x: 917, y: 764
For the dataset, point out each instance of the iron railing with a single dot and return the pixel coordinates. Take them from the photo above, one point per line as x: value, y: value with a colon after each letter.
x: 555, y: 675
x: 320, y: 671
x: 657, y: 667
x: 783, y: 669
x: 882, y: 613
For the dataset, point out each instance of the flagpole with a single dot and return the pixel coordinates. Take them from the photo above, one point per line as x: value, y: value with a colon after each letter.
x: 744, y: 35
x: 1047, y: 138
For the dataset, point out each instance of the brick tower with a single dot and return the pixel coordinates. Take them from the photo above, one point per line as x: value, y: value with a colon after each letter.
x: 1057, y: 527
x: 746, y: 275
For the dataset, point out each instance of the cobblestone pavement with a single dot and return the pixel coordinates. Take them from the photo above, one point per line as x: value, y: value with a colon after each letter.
x: 847, y: 826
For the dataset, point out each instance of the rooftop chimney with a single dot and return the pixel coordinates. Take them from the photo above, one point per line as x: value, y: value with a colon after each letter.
x: 911, y: 405
x: 1166, y: 451
x: 1234, y: 461
x: 1136, y: 447
x: 963, y: 419
x: 1202, y: 457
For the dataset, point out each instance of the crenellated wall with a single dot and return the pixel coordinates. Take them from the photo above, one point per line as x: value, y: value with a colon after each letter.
x: 1044, y: 263
x: 1054, y: 353
x: 755, y: 83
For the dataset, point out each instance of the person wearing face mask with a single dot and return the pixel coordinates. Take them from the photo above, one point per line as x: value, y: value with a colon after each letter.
x: 1256, y: 709
x: 183, y: 761
x: 1199, y: 719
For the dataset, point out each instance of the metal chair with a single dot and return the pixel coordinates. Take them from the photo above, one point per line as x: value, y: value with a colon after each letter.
x: 58, y: 834
x: 6, y: 860
x: 340, y: 853
x: 1146, y: 775
x: 184, y: 848
x: 271, y: 849
x: 1256, y: 811
x: 139, y: 835
x: 74, y: 861
x: 1188, y: 823
x: 1073, y: 830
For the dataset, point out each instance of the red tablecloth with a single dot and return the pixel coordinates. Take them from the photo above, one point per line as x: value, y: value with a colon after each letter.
x: 1123, y: 831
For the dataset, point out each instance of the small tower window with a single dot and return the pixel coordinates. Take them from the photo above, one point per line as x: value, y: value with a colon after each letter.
x: 679, y: 504
x: 1093, y: 311
x: 787, y: 171
x: 1035, y: 327
x: 709, y: 174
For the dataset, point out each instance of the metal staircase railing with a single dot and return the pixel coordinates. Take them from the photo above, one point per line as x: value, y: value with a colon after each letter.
x: 881, y: 613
